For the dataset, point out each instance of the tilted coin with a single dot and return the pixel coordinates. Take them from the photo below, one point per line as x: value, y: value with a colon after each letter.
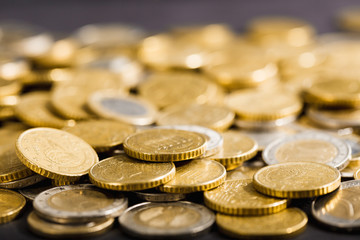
x: 350, y: 169
x: 102, y: 135
x: 341, y: 208
x: 245, y: 170
x: 218, y: 118
x: 195, y: 175
x: 162, y: 145
x: 237, y: 148
x: 159, y: 220
x: 153, y: 196
x: 128, y: 109
x: 23, y: 182
x: 297, y: 180
x: 32, y: 191
x: 78, y: 203
x: 285, y: 223
x: 11, y: 204
x: 123, y: 173
x: 55, y: 153
x: 357, y: 174
x: 239, y: 197
x: 214, y: 140
x: 309, y: 146
x: 335, y: 118
x: 50, y: 229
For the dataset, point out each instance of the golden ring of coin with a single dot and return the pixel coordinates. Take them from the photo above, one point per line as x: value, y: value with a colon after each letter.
x: 357, y: 174
x: 11, y: 204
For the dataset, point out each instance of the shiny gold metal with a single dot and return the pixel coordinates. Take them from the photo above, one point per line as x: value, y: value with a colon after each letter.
x: 195, y: 175
x: 357, y: 174
x: 164, y: 145
x: 47, y: 77
x: 102, y: 135
x: 123, y: 173
x: 9, y: 87
x: 350, y: 169
x: 58, y: 183
x: 55, y: 154
x: 11, y: 204
x: 297, y: 180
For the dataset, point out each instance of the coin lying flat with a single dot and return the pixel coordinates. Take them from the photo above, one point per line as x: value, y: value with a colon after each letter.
x: 123, y: 173
x: 152, y: 196
x: 11, y: 204
x: 285, y: 223
x: 297, y: 180
x: 334, y: 118
x: 23, y: 182
x: 239, y: 197
x: 51, y: 229
x: 104, y: 134
x: 264, y: 125
x: 55, y: 154
x: 78, y: 204
x: 195, y: 175
x: 160, y: 220
x: 165, y: 145
x: 309, y: 147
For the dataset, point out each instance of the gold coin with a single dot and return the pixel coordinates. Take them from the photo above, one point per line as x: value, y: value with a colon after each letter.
x: 51, y: 229
x: 263, y: 105
x: 162, y: 145
x: 239, y: 197
x: 123, y: 173
x: 350, y: 169
x: 195, y: 175
x: 246, y: 170
x: 357, y: 174
x: 339, y: 118
x: 11, y: 204
x: 285, y: 223
x: 218, y: 118
x: 35, y: 110
x: 102, y: 135
x: 9, y: 87
x: 55, y: 154
x: 237, y: 148
x: 297, y: 180
x: 348, y: 19
x: 58, y: 183
x: 47, y: 77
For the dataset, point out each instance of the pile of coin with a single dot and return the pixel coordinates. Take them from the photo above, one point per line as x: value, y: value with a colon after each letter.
x: 110, y: 116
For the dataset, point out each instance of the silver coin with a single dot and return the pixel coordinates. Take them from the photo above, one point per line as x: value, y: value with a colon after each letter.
x: 24, y: 182
x: 264, y: 124
x: 214, y: 140
x: 32, y: 191
x: 160, y: 197
x: 323, y: 119
x: 338, y: 158
x: 160, y: 220
x: 78, y: 203
x: 339, y: 209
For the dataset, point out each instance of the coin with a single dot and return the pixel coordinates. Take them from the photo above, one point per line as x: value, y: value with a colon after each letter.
x: 51, y: 229
x: 350, y: 169
x: 245, y: 170
x: 104, y: 135
x: 297, y: 180
x: 285, y: 223
x: 11, y: 204
x: 163, y: 145
x: 8, y: 88
x: 348, y: 19
x: 335, y: 118
x: 130, y: 109
x: 158, y: 220
x: 58, y: 183
x: 239, y: 197
x: 23, y: 182
x: 264, y: 125
x: 123, y: 173
x: 32, y: 191
x: 153, y: 196
x: 78, y: 204
x: 357, y: 175
x: 55, y: 154
x: 339, y: 209
x: 309, y: 146
x: 191, y: 177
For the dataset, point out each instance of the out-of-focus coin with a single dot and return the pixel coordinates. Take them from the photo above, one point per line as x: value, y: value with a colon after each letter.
x: 23, y: 182
x: 282, y: 224
x: 115, y: 105
x: 78, y: 204
x: 335, y: 118
x: 191, y: 177
x: 55, y: 153
x: 45, y: 77
x: 297, y: 179
x: 11, y: 204
x: 350, y: 169
x: 264, y: 125
x: 245, y: 170
x: 32, y: 191
x: 357, y: 174
x: 158, y: 220
x: 239, y: 197
x: 348, y: 19
x: 102, y: 135
x: 162, y: 145
x: 309, y: 147
x: 123, y: 173
x: 9, y: 87
x: 51, y: 229
x: 153, y: 196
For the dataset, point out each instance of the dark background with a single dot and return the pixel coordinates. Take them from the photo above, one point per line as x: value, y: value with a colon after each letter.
x: 67, y: 15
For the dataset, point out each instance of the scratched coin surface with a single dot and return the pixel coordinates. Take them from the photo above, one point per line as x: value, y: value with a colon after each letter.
x: 175, y: 219
x: 341, y: 208
x: 55, y: 153
x: 309, y: 147
x: 239, y: 197
x: 123, y: 173
x: 103, y: 135
x: 163, y: 145
x: 11, y: 204
x: 287, y: 222
x: 78, y: 203
x: 297, y: 179
x: 195, y: 175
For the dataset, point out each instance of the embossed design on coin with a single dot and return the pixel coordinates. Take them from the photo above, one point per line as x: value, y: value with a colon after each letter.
x: 11, y: 204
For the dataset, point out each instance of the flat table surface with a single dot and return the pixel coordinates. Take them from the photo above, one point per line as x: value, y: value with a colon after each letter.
x: 160, y: 15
